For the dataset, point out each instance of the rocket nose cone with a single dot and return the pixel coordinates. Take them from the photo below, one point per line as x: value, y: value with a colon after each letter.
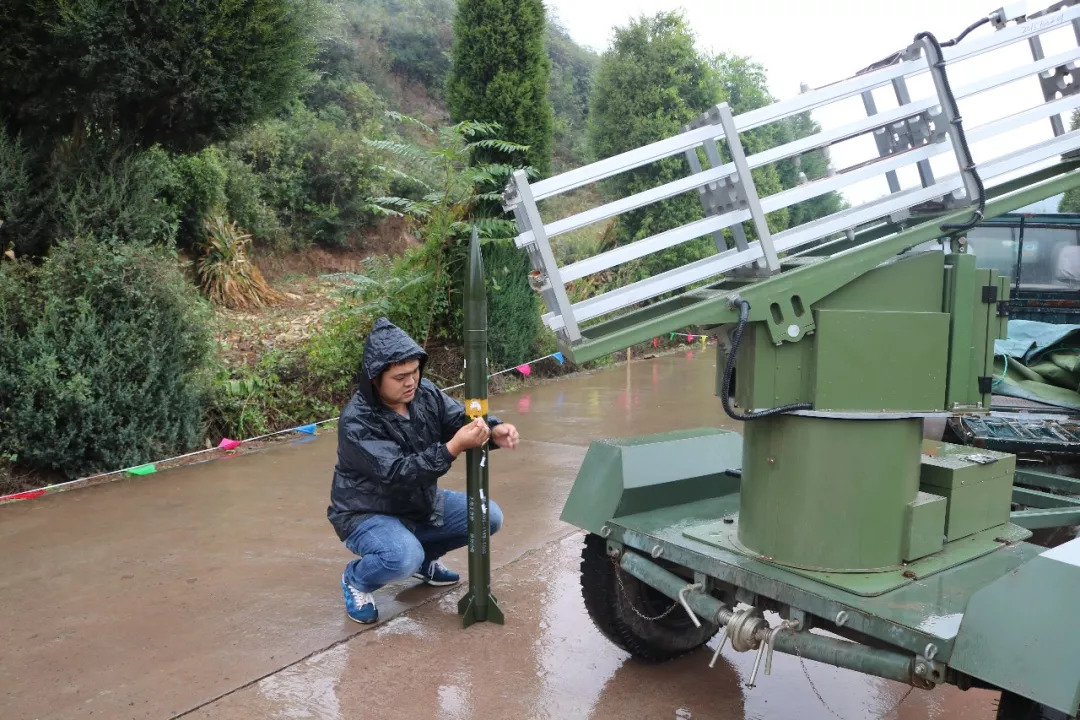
x: 476, y: 259
x: 475, y: 287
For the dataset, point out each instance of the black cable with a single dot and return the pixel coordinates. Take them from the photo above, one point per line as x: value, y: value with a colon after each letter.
x: 957, y: 121
x: 729, y: 368
x: 967, y: 31
x: 899, y: 54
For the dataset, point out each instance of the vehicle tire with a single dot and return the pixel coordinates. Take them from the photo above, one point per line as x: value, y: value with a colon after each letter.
x: 611, y: 606
x: 1015, y: 707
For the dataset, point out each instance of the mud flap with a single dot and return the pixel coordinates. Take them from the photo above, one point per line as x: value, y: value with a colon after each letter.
x: 1021, y: 631
x: 625, y: 476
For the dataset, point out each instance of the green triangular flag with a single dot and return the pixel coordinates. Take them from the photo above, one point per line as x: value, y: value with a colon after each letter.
x: 143, y: 470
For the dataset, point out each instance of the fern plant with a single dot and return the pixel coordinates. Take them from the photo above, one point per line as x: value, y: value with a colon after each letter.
x: 449, y: 188
x: 226, y: 274
x: 449, y: 197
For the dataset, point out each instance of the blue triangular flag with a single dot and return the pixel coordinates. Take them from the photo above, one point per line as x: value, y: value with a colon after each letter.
x: 559, y: 356
x: 309, y: 429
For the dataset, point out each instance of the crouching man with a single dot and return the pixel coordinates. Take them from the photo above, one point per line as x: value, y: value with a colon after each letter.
x: 396, y: 437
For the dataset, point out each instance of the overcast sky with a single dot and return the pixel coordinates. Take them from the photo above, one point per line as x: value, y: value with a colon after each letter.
x: 817, y: 43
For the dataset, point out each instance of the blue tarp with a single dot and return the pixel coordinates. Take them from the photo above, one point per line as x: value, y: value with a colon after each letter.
x: 1039, y: 361
x: 1029, y: 339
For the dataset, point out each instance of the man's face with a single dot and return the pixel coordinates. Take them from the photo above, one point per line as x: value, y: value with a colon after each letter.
x: 397, y: 385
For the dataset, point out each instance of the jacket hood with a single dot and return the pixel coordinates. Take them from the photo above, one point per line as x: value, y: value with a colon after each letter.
x: 386, y: 345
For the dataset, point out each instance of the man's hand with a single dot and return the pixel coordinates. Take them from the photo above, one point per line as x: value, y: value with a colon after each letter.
x: 505, y: 436
x: 473, y: 435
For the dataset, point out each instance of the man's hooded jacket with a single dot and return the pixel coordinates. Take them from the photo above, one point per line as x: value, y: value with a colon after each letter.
x: 389, y: 464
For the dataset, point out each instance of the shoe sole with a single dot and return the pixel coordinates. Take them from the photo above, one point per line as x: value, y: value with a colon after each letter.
x: 362, y: 622
x: 437, y: 583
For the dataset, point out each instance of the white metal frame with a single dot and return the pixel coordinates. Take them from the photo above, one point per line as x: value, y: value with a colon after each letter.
x: 730, y: 197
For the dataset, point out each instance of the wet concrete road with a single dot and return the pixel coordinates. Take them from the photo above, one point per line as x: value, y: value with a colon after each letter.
x: 212, y: 592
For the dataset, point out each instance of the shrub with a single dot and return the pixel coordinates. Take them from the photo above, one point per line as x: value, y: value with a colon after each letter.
x: 314, y: 172
x: 513, y: 311
x: 226, y: 274
x: 244, y: 203
x: 198, y: 185
x: 444, y: 216
x: 399, y: 290
x: 179, y: 73
x: 84, y: 190
x: 17, y: 205
x: 102, y: 352
x: 273, y: 394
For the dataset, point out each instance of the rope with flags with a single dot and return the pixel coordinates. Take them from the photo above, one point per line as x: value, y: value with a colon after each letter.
x: 229, y: 444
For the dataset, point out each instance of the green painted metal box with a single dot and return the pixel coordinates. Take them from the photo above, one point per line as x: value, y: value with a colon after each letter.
x: 880, y: 360
x: 924, y: 526
x: 976, y: 483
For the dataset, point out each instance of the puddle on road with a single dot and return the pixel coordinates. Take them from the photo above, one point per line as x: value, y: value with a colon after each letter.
x: 638, y: 398
x: 308, y: 690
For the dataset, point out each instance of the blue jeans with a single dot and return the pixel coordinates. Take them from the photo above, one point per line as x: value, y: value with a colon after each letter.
x: 390, y: 551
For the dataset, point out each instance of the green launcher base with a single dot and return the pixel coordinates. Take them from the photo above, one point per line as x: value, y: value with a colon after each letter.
x: 676, y: 497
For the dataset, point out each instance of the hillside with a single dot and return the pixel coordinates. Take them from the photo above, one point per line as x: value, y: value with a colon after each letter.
x: 401, y: 49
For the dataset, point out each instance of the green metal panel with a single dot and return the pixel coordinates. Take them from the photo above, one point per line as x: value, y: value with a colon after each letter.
x: 948, y: 464
x: 924, y: 526
x: 1021, y: 632
x: 880, y: 360
x: 975, y: 507
x: 960, y: 288
x: 911, y: 283
x: 893, y: 352
x: 628, y: 475
x: 827, y: 494
x: 979, y: 493
x: 1002, y: 319
x: 771, y: 375
x: 1035, y: 478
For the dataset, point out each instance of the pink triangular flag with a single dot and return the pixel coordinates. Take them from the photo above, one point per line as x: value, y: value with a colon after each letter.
x: 227, y: 444
x: 524, y: 369
x: 656, y: 342
x: 689, y: 338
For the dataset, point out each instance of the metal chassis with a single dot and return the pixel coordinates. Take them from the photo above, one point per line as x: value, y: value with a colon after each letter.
x: 878, y: 646
x: 1043, y: 509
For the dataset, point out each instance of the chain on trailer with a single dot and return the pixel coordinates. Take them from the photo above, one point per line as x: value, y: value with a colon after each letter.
x: 915, y: 132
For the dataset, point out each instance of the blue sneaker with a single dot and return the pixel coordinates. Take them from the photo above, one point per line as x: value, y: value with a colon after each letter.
x: 359, y: 605
x: 433, y: 573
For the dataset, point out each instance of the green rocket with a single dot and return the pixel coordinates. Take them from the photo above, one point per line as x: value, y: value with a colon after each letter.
x: 478, y: 604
